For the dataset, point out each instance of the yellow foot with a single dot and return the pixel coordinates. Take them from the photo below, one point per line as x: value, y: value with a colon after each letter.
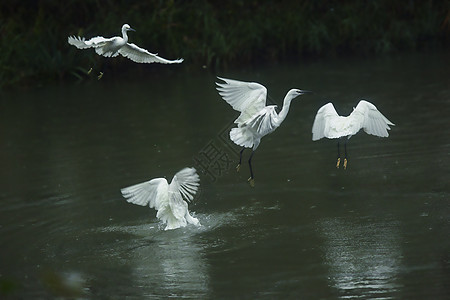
x: 238, y: 167
x: 100, y: 76
x: 338, y: 162
x: 89, y: 72
x: 252, y: 182
x: 345, y: 164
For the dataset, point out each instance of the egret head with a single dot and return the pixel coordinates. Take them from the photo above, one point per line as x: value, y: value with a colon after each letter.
x: 127, y: 27
x: 296, y: 92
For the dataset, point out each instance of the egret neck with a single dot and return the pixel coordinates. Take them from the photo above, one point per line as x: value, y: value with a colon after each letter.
x: 124, y: 34
x: 286, y: 104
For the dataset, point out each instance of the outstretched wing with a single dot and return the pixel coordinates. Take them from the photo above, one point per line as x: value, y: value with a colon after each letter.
x: 150, y: 192
x: 81, y: 43
x: 321, y: 122
x: 140, y: 55
x: 185, y: 182
x: 246, y: 97
x: 183, y: 187
x: 373, y: 120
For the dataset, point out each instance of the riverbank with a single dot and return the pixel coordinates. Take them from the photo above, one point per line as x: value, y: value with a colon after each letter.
x: 33, y: 39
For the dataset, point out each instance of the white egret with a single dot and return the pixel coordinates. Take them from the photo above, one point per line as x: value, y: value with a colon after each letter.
x: 366, y: 116
x: 170, y: 200
x: 256, y: 119
x: 111, y: 47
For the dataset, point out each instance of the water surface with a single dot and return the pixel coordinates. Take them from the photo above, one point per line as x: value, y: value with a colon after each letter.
x: 307, y: 230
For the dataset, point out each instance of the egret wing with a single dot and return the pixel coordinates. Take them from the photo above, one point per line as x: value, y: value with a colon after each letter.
x: 149, y: 192
x: 246, y: 97
x: 82, y: 43
x: 321, y: 121
x: 183, y: 187
x: 373, y: 122
x: 140, y: 55
x: 186, y: 183
x: 265, y: 121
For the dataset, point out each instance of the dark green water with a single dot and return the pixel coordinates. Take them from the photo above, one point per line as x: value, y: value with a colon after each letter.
x: 307, y: 230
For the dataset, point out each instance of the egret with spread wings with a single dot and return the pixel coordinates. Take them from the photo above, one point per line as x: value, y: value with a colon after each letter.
x: 111, y: 47
x: 332, y: 126
x: 256, y: 119
x: 170, y: 200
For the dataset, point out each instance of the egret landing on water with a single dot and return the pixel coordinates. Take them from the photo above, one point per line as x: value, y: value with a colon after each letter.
x: 256, y: 119
x: 168, y: 199
x: 111, y: 47
x: 366, y: 116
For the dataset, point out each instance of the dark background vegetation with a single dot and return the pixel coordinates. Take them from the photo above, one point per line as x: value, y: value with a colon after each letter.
x: 212, y: 34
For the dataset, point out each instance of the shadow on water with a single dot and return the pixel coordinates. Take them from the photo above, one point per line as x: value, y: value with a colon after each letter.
x: 307, y: 230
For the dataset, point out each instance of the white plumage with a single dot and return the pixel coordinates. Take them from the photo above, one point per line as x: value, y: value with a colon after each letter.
x: 111, y: 47
x: 170, y: 200
x: 256, y: 119
x: 366, y: 116
x: 329, y: 124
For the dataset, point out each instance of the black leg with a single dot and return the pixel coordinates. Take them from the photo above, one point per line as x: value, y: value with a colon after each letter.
x: 338, y: 155
x: 238, y: 167
x: 339, y: 151
x: 345, y: 148
x: 240, y: 155
x: 345, y: 158
x: 252, y: 178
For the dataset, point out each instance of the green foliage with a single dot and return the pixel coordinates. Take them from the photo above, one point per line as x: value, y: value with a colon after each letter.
x: 33, y: 34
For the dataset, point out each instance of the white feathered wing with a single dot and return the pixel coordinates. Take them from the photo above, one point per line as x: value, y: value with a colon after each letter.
x: 329, y: 124
x: 373, y: 120
x: 103, y: 46
x: 255, y: 119
x: 82, y: 43
x: 321, y: 126
x: 152, y: 193
x: 140, y: 55
x: 246, y: 97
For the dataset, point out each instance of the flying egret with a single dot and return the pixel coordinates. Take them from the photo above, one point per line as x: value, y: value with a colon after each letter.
x: 170, y: 200
x: 111, y: 47
x: 256, y: 119
x: 366, y: 116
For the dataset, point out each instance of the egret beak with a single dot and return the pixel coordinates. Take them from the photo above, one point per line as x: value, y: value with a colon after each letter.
x: 131, y: 29
x: 305, y: 92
